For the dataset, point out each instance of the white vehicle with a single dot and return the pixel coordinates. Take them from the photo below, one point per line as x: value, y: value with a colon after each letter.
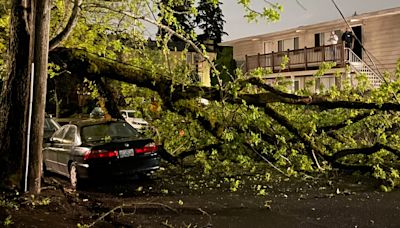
x: 131, y: 117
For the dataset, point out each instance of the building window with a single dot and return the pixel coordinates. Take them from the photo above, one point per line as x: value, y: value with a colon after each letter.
x: 280, y: 45
x: 319, y: 39
x: 288, y: 44
x: 296, y: 43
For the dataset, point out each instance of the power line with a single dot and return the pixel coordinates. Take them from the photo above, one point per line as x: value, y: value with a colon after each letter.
x: 366, y: 51
x: 359, y: 41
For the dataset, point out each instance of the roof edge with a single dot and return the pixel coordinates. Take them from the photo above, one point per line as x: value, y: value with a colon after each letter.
x: 380, y: 13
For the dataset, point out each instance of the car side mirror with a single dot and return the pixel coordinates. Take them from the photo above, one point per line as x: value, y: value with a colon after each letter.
x: 123, y: 115
x: 47, y: 142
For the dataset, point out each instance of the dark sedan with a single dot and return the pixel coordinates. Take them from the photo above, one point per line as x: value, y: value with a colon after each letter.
x: 98, y: 149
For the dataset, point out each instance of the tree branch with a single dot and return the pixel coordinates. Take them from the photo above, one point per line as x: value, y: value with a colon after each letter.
x: 81, y: 61
x: 195, y: 150
x: 282, y: 120
x: 110, y: 105
x: 344, y: 123
x: 365, y: 151
x: 73, y: 19
x: 260, y: 100
x: 167, y: 29
x: 265, y: 159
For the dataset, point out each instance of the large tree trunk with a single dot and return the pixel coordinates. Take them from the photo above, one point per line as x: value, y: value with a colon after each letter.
x: 14, y: 98
x: 27, y: 18
x: 42, y: 19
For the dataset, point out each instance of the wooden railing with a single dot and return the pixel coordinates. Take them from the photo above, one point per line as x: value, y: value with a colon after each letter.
x: 299, y: 59
x: 359, y: 66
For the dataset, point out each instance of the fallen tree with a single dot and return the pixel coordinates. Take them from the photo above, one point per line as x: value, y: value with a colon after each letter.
x: 315, y: 146
x: 93, y: 67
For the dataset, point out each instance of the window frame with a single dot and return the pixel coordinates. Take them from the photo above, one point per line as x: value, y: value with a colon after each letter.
x: 280, y: 45
x: 296, y: 43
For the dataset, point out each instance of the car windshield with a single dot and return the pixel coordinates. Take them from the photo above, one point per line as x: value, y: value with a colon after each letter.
x: 107, y: 132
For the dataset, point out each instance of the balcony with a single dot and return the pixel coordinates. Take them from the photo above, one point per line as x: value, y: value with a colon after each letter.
x: 299, y: 59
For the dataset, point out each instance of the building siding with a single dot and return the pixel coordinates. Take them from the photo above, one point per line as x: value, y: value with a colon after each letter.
x: 382, y: 39
x: 380, y: 36
x: 247, y: 48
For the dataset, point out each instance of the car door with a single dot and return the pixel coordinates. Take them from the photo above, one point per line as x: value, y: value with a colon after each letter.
x: 68, y: 146
x: 54, y: 147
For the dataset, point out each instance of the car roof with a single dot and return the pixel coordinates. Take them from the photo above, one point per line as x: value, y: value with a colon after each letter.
x: 89, y: 122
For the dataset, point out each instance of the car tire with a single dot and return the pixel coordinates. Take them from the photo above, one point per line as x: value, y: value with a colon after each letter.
x: 73, y: 175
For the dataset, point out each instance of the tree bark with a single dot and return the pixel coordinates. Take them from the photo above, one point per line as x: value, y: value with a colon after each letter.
x: 111, y: 106
x: 41, y: 47
x: 68, y: 28
x: 14, y: 97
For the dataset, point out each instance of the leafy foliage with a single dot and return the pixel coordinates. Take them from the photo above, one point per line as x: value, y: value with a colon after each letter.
x: 229, y: 137
x: 268, y: 13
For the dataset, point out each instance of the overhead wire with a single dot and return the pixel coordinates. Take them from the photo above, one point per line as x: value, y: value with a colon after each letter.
x: 380, y: 75
x: 358, y: 40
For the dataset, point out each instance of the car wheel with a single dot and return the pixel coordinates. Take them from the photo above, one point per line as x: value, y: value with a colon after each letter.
x: 73, y: 175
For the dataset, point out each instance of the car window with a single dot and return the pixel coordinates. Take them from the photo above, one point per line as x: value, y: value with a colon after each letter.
x: 50, y: 125
x: 70, y: 135
x: 59, y: 134
x: 107, y: 131
x: 46, y: 125
x: 131, y: 114
x: 134, y: 114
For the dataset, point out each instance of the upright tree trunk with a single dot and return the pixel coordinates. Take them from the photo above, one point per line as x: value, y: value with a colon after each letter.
x: 14, y: 97
x: 56, y: 101
x: 41, y: 47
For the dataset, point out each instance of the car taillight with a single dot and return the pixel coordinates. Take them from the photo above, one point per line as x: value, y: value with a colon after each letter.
x: 148, y: 148
x: 100, y: 154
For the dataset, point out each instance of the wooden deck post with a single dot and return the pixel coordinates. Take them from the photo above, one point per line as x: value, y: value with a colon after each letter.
x: 305, y: 58
x: 258, y: 60
x: 288, y: 64
x: 343, y: 50
x: 247, y: 63
x: 323, y: 53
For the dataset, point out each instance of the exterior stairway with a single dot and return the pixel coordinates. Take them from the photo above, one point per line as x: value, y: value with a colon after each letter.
x: 360, y: 67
